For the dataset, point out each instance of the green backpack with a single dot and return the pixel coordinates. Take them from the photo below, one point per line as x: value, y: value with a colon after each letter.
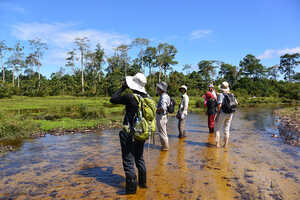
x: 145, y: 124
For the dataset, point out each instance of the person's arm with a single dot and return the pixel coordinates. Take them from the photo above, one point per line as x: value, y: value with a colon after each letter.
x: 219, y: 105
x: 116, y: 98
x: 186, y: 104
x: 163, y: 105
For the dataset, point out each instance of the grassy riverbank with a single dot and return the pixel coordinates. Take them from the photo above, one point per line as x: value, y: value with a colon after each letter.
x: 25, y: 117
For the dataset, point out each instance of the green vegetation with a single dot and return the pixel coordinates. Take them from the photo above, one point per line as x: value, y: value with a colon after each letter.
x: 79, y: 99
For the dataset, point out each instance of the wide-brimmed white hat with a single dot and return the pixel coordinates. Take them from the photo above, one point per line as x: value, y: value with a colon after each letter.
x: 183, y: 87
x: 163, y: 86
x: 224, y: 87
x: 137, y: 82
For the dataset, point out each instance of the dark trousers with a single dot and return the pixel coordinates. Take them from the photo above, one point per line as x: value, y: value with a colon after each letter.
x: 132, y: 152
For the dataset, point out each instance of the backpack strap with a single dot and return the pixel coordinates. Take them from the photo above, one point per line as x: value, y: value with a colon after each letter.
x: 140, y: 104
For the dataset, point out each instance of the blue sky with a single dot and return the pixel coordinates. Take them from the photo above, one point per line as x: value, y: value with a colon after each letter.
x: 218, y: 30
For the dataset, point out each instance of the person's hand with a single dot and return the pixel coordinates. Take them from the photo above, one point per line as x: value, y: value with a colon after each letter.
x: 124, y: 84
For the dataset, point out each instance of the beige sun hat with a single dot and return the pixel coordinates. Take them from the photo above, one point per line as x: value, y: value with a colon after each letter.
x: 183, y: 87
x: 224, y: 87
x: 163, y: 86
x: 137, y: 82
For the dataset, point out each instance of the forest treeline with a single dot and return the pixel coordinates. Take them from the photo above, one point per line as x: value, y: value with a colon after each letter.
x: 89, y: 71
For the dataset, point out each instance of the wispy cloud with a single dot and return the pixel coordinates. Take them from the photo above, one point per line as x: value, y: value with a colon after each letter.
x: 271, y: 53
x: 197, y: 34
x: 60, y: 38
x: 8, y: 6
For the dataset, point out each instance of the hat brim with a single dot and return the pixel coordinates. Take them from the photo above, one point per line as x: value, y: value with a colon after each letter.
x: 161, y: 87
x: 132, y: 85
x: 226, y: 90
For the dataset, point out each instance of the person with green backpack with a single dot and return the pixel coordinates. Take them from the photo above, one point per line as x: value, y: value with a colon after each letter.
x: 138, y: 125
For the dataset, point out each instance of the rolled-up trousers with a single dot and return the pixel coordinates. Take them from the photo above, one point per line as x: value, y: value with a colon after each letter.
x: 161, y: 124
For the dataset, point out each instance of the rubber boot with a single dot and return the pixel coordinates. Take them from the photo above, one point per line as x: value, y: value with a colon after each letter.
x: 142, y: 180
x: 131, y: 185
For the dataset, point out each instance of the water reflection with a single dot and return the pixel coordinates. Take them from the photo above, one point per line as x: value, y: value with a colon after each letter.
x: 88, y: 166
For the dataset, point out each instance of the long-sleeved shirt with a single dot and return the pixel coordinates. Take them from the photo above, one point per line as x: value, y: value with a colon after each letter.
x: 183, y: 106
x: 164, y: 102
x: 130, y: 102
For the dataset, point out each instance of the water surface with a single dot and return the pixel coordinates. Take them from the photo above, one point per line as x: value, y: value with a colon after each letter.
x: 88, y: 166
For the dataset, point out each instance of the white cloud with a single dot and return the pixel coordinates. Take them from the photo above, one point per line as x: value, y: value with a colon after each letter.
x: 197, y: 34
x: 60, y: 38
x: 7, y: 6
x: 271, y: 53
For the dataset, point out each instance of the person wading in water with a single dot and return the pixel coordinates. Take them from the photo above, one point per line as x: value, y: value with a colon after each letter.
x: 132, y: 150
x: 211, y: 105
x: 182, y: 111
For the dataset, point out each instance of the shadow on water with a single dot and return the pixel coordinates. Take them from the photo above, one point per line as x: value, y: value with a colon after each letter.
x: 104, y: 175
x: 195, y: 131
x: 201, y: 144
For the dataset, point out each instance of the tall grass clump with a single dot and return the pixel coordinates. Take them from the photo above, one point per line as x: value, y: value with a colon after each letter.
x: 16, y: 127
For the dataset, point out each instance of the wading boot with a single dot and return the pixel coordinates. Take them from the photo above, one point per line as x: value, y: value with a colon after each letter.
x: 142, y: 180
x: 131, y: 185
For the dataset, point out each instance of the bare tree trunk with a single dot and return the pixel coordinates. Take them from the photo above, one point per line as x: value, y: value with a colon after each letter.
x: 159, y: 77
x: 82, y: 78
x: 3, y: 74
x: 19, y: 81
x: 39, y: 76
x: 150, y: 74
x: 3, y: 71
x: 13, y: 78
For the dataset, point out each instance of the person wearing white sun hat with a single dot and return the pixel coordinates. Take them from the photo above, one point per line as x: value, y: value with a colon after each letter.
x: 224, y: 115
x: 132, y: 150
x: 182, y: 111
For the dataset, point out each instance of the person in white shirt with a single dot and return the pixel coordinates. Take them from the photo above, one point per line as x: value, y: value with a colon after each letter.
x: 182, y: 111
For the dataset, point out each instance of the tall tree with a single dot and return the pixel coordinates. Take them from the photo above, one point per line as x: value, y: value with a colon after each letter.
x: 251, y: 67
x: 141, y: 43
x: 122, y: 52
x: 207, y: 69
x: 273, y: 72
x: 166, y: 57
x: 71, y: 59
x: 16, y: 61
x: 34, y: 59
x: 83, y: 46
x: 149, y: 58
x: 99, y: 60
x: 228, y: 72
x: 288, y: 62
x: 3, y: 50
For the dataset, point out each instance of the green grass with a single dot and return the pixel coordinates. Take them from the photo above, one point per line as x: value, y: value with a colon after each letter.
x: 20, y: 116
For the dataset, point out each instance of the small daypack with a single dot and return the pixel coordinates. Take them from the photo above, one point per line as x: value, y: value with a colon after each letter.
x: 229, y: 103
x: 144, y: 122
x: 171, y: 106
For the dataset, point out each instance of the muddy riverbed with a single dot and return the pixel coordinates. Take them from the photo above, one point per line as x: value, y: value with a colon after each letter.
x: 88, y: 166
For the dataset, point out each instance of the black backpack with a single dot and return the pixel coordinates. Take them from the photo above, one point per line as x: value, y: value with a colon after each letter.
x: 171, y: 106
x: 229, y: 103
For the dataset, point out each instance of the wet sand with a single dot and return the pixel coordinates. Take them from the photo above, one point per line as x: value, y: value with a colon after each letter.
x: 88, y: 166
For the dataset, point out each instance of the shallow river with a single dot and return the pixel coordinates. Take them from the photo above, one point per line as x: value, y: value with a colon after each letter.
x: 254, y: 166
